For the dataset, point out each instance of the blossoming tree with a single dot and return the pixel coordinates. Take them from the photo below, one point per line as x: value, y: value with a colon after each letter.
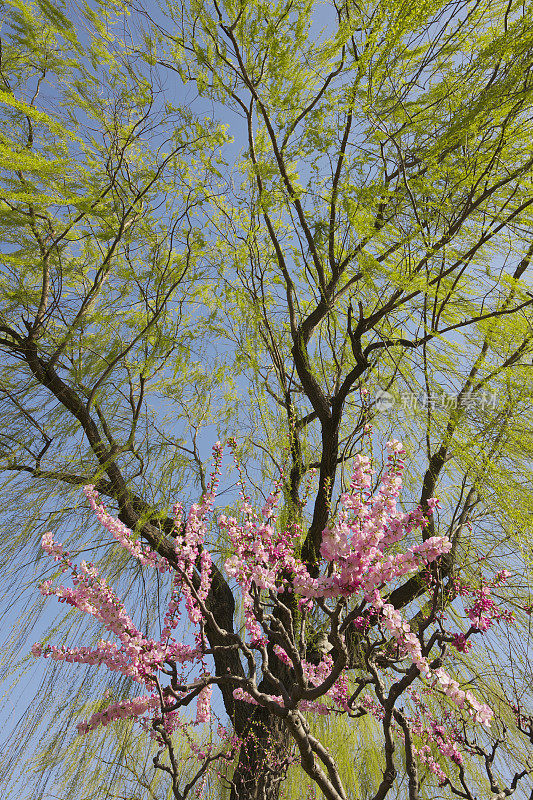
x: 237, y: 216
x: 375, y: 662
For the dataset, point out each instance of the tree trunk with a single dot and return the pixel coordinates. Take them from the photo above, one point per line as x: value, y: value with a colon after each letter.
x: 264, y: 756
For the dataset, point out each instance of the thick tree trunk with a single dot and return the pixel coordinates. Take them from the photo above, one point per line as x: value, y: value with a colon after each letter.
x: 264, y: 756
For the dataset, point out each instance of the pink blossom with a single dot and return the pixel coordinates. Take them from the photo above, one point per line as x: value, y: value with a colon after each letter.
x: 203, y: 705
x: 362, y: 552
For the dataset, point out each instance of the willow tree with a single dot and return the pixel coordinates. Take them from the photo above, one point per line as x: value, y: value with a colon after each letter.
x: 230, y: 219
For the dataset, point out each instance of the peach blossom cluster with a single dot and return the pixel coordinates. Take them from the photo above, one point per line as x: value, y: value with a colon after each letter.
x: 355, y: 547
x: 122, y: 710
x: 135, y: 655
x: 360, y: 552
x: 123, y: 534
x: 203, y: 705
x: 190, y: 539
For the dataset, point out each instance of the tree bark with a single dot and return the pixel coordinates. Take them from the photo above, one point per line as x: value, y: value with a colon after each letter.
x: 264, y: 755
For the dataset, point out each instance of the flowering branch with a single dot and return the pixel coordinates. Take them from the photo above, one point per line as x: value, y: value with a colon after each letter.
x: 361, y: 561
